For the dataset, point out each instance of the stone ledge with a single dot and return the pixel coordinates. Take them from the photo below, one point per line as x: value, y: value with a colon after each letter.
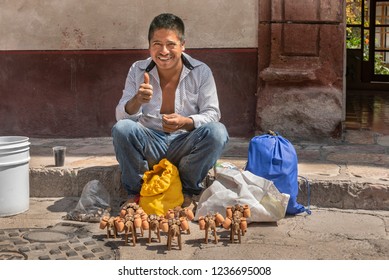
x: 287, y: 75
x: 341, y: 175
x: 331, y: 185
x: 346, y: 194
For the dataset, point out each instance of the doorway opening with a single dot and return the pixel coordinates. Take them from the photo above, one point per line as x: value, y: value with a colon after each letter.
x: 367, y: 74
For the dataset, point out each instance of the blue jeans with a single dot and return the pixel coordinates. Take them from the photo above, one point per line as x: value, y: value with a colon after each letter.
x: 194, y: 153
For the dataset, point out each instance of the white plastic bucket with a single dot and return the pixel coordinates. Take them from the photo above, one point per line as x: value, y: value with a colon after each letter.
x: 14, y: 175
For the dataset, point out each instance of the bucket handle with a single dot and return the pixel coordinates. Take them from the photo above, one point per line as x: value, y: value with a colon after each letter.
x: 18, y: 162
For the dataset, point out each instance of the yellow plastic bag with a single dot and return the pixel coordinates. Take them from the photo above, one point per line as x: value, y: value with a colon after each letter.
x: 161, y: 189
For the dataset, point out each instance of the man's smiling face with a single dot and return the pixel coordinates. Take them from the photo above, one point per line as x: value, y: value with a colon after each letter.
x: 166, y: 49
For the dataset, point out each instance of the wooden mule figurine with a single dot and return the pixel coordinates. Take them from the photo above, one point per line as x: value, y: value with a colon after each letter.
x: 107, y: 222
x: 130, y: 229
x: 174, y: 231
x: 235, y: 230
x: 236, y: 220
x: 210, y: 225
x: 154, y: 226
x: 111, y: 229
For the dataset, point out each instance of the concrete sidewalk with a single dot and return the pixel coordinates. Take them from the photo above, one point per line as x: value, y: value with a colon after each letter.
x: 41, y: 233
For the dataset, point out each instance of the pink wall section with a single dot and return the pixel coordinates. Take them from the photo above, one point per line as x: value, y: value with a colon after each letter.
x: 74, y: 93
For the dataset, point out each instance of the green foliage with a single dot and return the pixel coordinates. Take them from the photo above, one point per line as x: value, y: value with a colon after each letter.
x: 353, y: 39
x: 380, y: 67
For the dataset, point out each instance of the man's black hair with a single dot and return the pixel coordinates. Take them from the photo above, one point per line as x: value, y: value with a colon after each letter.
x: 167, y: 21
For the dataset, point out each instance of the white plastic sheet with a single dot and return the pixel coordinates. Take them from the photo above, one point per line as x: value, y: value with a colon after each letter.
x: 233, y: 186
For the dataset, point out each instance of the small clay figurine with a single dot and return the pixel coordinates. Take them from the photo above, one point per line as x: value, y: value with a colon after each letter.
x: 131, y: 217
x: 236, y: 221
x: 182, y: 214
x: 209, y: 223
x: 108, y: 222
x: 174, y: 231
x: 133, y: 222
x: 235, y: 229
x: 130, y: 228
x: 154, y: 226
x: 130, y: 208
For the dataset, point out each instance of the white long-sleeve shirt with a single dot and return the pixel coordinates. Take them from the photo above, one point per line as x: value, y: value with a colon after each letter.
x: 196, y: 94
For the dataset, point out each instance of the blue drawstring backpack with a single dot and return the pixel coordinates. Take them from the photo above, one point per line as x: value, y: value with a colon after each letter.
x: 274, y: 158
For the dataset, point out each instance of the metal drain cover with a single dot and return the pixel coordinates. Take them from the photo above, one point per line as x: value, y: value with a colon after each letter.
x: 12, y: 255
x: 64, y: 241
x: 47, y: 235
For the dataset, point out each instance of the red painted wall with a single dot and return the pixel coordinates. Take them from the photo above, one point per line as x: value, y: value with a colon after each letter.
x: 74, y: 93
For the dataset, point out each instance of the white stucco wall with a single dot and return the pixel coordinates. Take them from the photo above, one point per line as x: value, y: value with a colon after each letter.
x: 123, y: 24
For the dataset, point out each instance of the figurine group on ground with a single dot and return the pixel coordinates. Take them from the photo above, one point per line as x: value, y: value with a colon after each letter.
x: 235, y: 220
x: 132, y: 220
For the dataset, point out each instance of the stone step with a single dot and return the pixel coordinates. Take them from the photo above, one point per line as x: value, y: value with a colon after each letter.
x: 347, y: 176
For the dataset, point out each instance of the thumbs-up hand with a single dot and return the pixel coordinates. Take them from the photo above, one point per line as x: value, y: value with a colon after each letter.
x: 145, y: 91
